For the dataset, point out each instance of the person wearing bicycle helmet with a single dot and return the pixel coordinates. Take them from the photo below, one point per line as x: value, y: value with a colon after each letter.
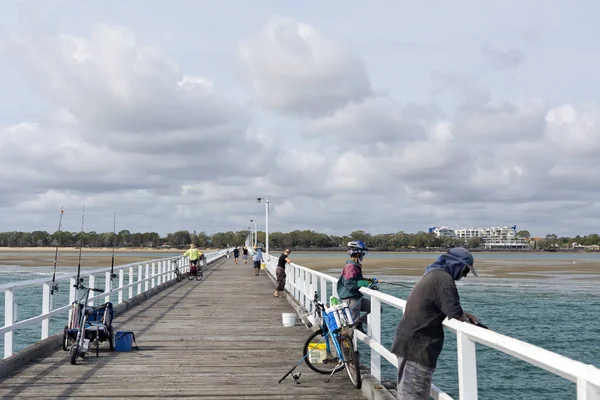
x: 351, y: 280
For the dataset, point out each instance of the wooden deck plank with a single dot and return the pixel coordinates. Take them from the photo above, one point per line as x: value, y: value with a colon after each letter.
x: 222, y: 338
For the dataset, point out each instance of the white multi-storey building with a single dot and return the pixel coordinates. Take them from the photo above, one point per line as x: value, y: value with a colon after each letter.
x: 493, y: 237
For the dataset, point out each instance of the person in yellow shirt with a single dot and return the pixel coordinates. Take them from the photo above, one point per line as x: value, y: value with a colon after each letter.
x: 195, y: 256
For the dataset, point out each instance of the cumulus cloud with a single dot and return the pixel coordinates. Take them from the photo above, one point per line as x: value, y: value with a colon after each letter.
x: 575, y: 128
x: 126, y: 127
x: 375, y: 120
x: 127, y: 120
x: 298, y: 71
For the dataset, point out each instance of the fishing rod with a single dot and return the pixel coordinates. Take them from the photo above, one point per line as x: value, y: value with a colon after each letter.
x: 396, y: 284
x: 112, y: 263
x: 80, y: 250
x: 54, y: 286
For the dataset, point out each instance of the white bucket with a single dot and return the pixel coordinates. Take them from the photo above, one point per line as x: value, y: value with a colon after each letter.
x: 289, y: 319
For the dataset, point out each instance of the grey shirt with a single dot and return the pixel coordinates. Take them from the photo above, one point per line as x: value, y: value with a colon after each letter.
x: 420, y: 334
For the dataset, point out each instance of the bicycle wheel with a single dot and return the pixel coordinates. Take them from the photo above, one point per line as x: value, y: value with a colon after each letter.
x: 65, y: 343
x: 178, y: 274
x: 191, y: 274
x: 351, y: 360
x: 199, y: 275
x: 74, y: 353
x: 324, y: 357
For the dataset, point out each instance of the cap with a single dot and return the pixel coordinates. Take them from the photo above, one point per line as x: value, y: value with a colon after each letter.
x: 466, y: 256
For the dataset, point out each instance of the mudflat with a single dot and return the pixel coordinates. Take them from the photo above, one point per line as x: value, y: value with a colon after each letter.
x: 486, y: 268
x: 515, y: 268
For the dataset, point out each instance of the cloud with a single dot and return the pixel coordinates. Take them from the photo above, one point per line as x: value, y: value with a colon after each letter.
x: 503, y: 60
x: 125, y: 91
x: 464, y: 88
x: 375, y: 120
x: 298, y: 71
x: 575, y: 128
x: 127, y: 127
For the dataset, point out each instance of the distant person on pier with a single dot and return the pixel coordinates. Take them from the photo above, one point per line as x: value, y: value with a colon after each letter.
x: 245, y: 254
x: 280, y: 272
x: 420, y: 334
x: 236, y: 254
x: 195, y: 256
x: 258, y: 259
x: 351, y: 280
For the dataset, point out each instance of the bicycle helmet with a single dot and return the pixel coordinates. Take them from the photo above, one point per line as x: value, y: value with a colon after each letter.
x: 357, y: 247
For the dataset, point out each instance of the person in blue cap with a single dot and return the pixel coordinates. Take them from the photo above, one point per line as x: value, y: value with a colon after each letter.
x: 420, y: 334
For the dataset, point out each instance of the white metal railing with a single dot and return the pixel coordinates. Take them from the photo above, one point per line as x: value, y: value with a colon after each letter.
x: 302, y: 283
x: 149, y: 274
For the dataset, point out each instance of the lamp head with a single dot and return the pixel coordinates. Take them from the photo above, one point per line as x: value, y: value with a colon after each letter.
x: 258, y: 199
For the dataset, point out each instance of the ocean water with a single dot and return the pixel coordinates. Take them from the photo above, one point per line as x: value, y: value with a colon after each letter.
x: 563, y: 317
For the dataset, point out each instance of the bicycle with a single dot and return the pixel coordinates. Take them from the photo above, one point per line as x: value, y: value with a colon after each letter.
x: 196, y: 270
x: 82, y: 341
x: 178, y: 274
x: 331, y: 348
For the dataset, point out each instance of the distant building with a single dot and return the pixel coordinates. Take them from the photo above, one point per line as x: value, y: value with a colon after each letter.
x: 493, y: 237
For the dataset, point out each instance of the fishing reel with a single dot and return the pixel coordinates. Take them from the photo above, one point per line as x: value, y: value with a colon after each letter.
x: 374, y: 283
x: 54, y: 288
x: 78, y: 283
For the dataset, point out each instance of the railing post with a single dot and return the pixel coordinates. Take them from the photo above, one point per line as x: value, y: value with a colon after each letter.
x: 130, y: 282
x: 9, y: 319
x: 146, y: 276
x: 140, y: 275
x: 72, y: 298
x: 46, y: 307
x: 92, y: 284
x: 153, y: 275
x: 375, y: 333
x: 107, y: 287
x: 467, y: 367
x: 323, y: 290
x: 585, y: 391
x: 120, y: 296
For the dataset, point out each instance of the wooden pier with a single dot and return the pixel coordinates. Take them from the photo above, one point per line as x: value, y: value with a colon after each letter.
x: 221, y: 338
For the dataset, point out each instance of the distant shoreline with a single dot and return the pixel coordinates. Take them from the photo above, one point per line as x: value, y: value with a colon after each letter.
x: 99, y: 249
x: 176, y: 250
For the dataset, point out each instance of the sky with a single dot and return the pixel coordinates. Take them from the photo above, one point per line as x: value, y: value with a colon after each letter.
x: 381, y: 116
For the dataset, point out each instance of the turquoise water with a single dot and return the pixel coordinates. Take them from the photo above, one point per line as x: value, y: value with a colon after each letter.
x: 562, y: 317
x: 486, y: 256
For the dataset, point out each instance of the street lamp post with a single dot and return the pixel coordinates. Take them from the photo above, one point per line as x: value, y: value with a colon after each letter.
x: 250, y: 236
x: 259, y: 200
x: 255, y: 233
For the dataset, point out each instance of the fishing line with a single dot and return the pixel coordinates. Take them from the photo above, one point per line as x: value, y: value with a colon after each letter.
x: 396, y: 284
x: 54, y: 286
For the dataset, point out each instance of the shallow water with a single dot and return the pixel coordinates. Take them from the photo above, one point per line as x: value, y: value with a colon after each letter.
x: 562, y: 317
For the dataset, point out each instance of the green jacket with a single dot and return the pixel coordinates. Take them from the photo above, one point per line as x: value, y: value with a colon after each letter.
x: 350, y: 281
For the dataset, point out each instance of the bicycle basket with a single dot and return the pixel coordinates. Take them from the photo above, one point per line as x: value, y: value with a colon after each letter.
x: 330, y: 320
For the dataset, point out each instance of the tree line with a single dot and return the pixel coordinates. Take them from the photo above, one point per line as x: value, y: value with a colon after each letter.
x: 298, y: 239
